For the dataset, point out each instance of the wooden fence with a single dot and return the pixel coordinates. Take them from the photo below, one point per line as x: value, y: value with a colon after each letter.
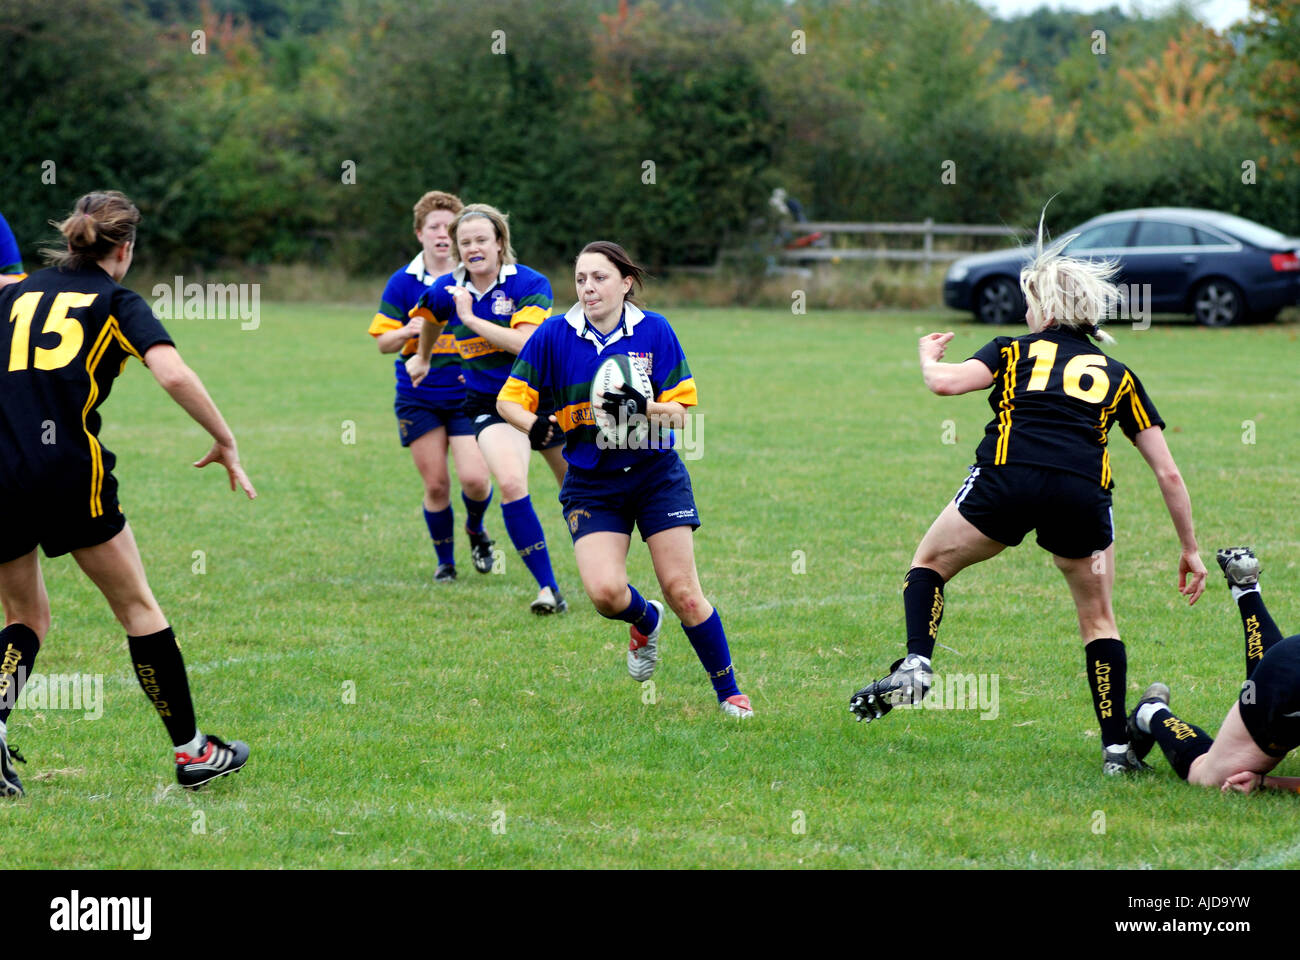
x: 927, y: 229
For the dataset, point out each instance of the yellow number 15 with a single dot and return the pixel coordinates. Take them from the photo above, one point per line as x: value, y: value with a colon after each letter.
x: 1084, y: 365
x: 57, y: 322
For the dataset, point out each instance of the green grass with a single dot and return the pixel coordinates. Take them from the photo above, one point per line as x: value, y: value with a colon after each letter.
x: 819, y: 437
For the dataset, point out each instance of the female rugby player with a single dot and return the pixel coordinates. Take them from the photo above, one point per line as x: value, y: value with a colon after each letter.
x: 71, y: 330
x: 429, y: 417
x: 608, y: 491
x: 1043, y: 465
x: 1261, y: 728
x: 498, y: 303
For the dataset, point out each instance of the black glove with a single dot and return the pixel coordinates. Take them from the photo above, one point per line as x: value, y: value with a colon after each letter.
x: 626, y: 402
x: 543, y: 432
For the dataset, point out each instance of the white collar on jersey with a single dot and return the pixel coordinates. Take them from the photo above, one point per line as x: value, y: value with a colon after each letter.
x: 576, y: 319
x: 462, y: 271
x: 416, y: 269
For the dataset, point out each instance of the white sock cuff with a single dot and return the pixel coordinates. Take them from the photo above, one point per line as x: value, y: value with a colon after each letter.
x: 1145, y: 713
x: 1239, y: 592
x: 194, y: 746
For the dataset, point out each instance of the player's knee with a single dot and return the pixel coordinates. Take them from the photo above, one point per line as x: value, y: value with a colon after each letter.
x: 476, y: 485
x: 609, y: 597
x: 685, y: 597
x: 512, y: 489
x: 437, y: 491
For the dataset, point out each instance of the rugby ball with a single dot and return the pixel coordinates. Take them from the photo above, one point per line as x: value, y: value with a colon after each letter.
x: 620, y: 432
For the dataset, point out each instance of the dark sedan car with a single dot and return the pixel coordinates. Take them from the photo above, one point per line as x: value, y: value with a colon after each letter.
x: 1221, y: 268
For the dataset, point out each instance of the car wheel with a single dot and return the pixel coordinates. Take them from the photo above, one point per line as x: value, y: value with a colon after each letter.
x: 1218, y: 303
x: 999, y: 301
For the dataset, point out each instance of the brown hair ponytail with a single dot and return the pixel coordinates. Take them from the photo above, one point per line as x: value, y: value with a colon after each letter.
x: 99, y: 223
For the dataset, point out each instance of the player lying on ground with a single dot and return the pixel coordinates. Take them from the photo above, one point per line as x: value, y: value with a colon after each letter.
x: 1262, y: 727
x: 72, y: 329
x: 499, y: 303
x: 607, y: 491
x: 1043, y: 465
x: 430, y: 420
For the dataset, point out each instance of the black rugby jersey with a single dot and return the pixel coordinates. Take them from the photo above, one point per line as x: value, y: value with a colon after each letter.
x: 1055, y: 396
x: 66, y: 335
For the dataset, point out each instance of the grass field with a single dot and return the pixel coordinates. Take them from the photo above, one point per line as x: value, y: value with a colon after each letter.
x: 481, y: 736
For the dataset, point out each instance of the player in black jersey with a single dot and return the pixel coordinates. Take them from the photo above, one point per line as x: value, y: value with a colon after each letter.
x: 1263, y: 725
x: 68, y: 333
x: 1043, y: 465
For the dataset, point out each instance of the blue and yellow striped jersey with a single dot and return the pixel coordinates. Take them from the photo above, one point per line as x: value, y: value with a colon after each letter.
x: 442, y: 387
x: 11, y: 261
x: 520, y: 295
x: 1054, y: 399
x: 561, y: 359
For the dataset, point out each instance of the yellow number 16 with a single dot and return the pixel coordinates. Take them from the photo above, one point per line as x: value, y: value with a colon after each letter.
x: 57, y: 321
x: 1084, y: 365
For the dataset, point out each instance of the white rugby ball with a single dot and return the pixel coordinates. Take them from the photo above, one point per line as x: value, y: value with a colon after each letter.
x: 620, y: 433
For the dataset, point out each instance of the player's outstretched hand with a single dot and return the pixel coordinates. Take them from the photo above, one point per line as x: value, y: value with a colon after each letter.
x: 416, y: 369
x: 1191, y: 587
x: 1243, y: 782
x: 543, y: 431
x: 228, y: 457
x: 933, y: 345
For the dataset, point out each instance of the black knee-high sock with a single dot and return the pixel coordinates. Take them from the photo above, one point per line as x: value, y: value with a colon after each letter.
x: 922, y: 609
x: 1107, y: 665
x: 18, y: 646
x: 1181, y: 742
x: 161, y: 672
x: 1261, y: 631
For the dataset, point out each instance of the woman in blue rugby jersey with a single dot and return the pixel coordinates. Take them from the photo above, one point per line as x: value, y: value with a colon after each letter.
x: 493, y: 304
x: 11, y: 261
x: 607, y: 490
x: 429, y: 417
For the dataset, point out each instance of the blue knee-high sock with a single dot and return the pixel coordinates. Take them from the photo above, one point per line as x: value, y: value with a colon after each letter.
x: 442, y: 530
x: 639, y: 613
x: 525, y: 532
x: 710, y: 645
x: 474, y: 510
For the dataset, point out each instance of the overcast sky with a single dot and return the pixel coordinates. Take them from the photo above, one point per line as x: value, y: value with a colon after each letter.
x: 1216, y: 13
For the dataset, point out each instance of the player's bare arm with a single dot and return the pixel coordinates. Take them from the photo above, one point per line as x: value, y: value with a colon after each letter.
x: 417, y: 366
x: 671, y: 414
x: 516, y: 415
x: 393, y: 340
x: 540, y: 432
x: 950, y: 379
x: 184, y: 386
x: 1191, y: 571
